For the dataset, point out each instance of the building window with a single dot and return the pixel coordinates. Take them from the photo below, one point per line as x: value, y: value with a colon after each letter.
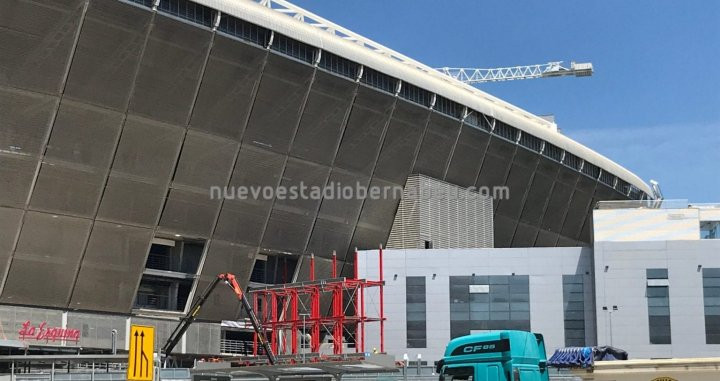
x: 244, y: 30
x: 293, y: 48
x: 709, y: 229
x: 188, y: 10
x: 480, y: 303
x: 658, y: 299
x: 170, y: 272
x: 378, y: 80
x: 338, y: 65
x: 274, y: 269
x: 415, y: 94
x: 574, y: 310
x: 415, y: 315
x: 711, y: 296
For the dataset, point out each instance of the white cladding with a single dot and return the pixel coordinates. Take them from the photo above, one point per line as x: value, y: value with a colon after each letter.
x: 545, y: 268
x: 443, y: 214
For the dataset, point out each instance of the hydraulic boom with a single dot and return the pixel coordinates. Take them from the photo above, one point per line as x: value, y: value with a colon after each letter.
x: 228, y: 279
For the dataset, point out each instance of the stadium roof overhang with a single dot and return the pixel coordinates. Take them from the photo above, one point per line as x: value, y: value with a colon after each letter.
x: 311, y: 29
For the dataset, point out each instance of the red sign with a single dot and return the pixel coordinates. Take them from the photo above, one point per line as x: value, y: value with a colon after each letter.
x: 44, y: 333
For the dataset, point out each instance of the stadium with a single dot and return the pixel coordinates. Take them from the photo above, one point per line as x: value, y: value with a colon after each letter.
x: 116, y: 118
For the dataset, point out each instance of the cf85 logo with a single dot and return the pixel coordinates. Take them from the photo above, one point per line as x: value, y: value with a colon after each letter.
x: 479, y: 348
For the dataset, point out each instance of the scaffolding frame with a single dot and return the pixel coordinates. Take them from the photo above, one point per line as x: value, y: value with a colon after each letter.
x: 283, y: 305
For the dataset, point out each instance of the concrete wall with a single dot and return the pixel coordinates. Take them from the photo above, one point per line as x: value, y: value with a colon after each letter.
x: 544, y: 266
x: 621, y: 281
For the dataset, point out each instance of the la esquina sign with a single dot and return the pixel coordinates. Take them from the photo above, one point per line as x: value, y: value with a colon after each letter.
x: 42, y: 332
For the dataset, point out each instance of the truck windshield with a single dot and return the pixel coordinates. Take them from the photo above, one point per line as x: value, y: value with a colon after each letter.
x: 457, y: 373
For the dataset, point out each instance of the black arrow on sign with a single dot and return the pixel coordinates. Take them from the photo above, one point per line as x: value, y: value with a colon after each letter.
x: 135, y: 364
x: 143, y: 355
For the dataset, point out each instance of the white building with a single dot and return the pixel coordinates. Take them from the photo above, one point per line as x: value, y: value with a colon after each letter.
x: 650, y: 285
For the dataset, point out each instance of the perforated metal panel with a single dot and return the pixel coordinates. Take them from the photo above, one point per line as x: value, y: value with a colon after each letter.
x: 205, y: 161
x: 539, y: 192
x: 78, y: 155
x: 16, y: 175
x: 25, y: 129
x: 130, y: 201
x: 147, y: 150
x: 288, y: 232
x: 468, y: 156
x: 278, y: 103
x: 525, y: 235
x: 107, y: 54
x: 189, y: 213
x: 224, y: 99
x: 115, y: 256
x: 361, y: 141
x: 37, y: 39
x: 223, y: 257
x: 401, y: 142
x: 49, y: 248
x: 170, y: 71
x: 57, y: 189
x: 322, y: 122
x: 437, y: 145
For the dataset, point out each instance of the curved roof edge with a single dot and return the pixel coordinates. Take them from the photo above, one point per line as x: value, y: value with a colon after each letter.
x: 416, y: 73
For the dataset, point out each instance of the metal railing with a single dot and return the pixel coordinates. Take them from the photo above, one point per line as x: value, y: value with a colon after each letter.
x: 236, y: 347
x: 643, y: 204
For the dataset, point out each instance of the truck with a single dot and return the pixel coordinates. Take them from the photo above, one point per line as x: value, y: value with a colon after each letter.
x: 495, y: 356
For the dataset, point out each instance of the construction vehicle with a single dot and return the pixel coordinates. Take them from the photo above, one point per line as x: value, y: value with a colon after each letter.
x: 495, y: 356
x: 189, y: 318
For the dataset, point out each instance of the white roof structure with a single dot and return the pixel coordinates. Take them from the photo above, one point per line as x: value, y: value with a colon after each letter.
x: 295, y: 22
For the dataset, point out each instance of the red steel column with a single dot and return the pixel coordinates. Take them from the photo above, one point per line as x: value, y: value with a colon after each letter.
x: 356, y: 302
x: 382, y: 304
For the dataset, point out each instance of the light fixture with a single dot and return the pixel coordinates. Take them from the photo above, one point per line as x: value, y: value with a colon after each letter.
x: 434, y: 275
x: 606, y: 268
x: 178, y: 235
x: 395, y: 277
x: 699, y: 268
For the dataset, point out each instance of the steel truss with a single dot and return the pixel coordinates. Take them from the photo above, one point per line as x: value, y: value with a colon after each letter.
x: 283, y: 305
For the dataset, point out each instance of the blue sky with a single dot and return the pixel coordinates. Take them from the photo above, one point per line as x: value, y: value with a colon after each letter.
x: 653, y: 104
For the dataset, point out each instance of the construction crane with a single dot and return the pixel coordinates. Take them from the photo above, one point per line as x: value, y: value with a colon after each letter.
x: 228, y: 279
x: 550, y: 69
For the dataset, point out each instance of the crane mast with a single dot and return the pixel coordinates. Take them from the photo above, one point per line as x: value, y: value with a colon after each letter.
x: 550, y: 69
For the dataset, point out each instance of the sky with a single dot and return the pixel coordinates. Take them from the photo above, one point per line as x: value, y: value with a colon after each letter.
x: 652, y: 105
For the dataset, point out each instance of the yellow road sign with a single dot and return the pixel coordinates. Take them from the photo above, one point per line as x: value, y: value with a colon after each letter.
x: 140, y: 357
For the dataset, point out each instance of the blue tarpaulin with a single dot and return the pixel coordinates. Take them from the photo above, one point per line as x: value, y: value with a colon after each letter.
x: 584, y: 357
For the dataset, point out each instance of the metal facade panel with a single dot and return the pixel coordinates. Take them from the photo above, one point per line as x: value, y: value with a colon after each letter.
x: 278, y: 104
x: 108, y: 53
x: 205, y: 161
x: 170, y: 71
x: 37, y: 39
x: 189, y: 213
x: 401, y: 142
x: 115, y: 255
x: 225, y: 96
x: 364, y: 131
x: 224, y: 257
x: 49, y: 248
x: 323, y: 120
x: 436, y: 147
x: 468, y: 156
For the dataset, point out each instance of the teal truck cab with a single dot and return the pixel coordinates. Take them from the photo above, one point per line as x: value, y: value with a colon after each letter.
x: 495, y: 356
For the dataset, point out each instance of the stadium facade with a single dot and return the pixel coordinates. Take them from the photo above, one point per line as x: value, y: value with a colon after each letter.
x: 116, y: 117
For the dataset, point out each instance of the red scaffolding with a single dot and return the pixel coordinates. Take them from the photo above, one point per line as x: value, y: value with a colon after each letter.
x: 283, y: 305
